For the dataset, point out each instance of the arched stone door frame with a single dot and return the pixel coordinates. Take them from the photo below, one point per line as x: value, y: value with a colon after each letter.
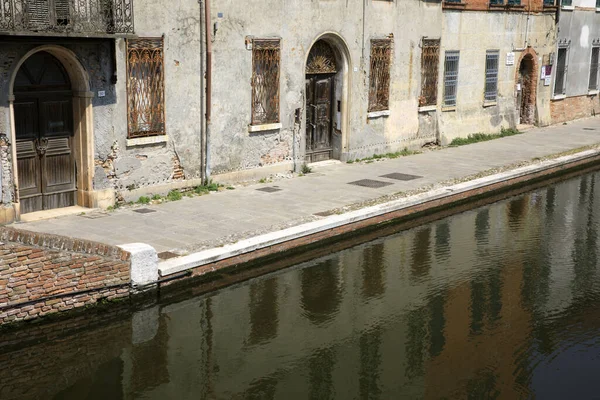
x: 83, y: 123
x: 344, y: 64
x: 529, y: 54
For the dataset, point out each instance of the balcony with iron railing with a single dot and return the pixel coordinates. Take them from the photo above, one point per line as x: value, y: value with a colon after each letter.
x: 79, y: 18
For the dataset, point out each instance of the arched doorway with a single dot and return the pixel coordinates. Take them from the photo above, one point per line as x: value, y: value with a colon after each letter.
x: 327, y: 86
x: 44, y: 134
x: 526, y: 94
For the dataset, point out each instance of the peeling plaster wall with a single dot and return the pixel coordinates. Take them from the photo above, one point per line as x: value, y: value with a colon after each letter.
x: 299, y: 24
x: 582, y: 27
x: 473, y: 33
x: 118, y: 166
x: 124, y: 167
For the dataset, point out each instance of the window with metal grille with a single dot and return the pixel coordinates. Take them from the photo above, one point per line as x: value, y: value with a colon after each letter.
x: 514, y: 2
x: 561, y: 72
x: 379, y: 79
x: 145, y: 88
x: 430, y: 61
x: 597, y: 3
x: 549, y: 3
x: 496, y: 2
x: 451, y: 77
x: 491, y: 75
x: 594, y: 68
x: 266, y: 56
x: 567, y: 3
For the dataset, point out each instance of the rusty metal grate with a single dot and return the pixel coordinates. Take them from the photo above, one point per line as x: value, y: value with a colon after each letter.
x: 379, y: 79
x: 321, y: 59
x: 401, y: 177
x: 145, y: 88
x: 144, y: 211
x: 269, y: 189
x: 370, y: 183
x: 266, y: 56
x: 430, y: 61
x: 67, y: 16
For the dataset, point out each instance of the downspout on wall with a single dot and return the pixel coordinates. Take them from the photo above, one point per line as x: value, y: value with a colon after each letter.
x: 203, y: 147
x: 208, y: 97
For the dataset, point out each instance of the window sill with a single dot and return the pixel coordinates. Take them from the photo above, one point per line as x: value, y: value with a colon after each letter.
x: 559, y: 97
x: 567, y: 8
x: 264, y: 127
x: 593, y: 92
x: 448, y: 108
x: 143, y: 141
x: 489, y: 104
x: 427, y: 108
x: 378, y: 114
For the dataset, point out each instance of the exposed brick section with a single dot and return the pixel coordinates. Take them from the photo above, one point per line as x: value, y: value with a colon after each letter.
x: 572, y: 108
x: 39, y: 271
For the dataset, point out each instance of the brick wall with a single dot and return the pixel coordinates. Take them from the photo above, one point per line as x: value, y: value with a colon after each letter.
x: 484, y: 5
x: 571, y: 108
x: 43, y: 274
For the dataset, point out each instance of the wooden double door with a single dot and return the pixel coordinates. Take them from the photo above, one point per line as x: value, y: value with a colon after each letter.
x: 319, y: 117
x: 43, y: 110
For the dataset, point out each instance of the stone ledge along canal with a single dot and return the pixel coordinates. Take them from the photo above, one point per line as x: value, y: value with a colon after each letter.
x: 501, y: 301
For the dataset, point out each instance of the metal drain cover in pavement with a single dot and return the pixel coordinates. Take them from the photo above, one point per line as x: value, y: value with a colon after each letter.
x: 269, y: 189
x: 144, y: 210
x: 401, y: 177
x: 165, y: 255
x: 95, y: 215
x: 370, y: 183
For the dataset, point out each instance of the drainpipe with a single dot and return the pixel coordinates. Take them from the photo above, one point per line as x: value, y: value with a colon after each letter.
x: 208, y: 25
x: 202, y: 88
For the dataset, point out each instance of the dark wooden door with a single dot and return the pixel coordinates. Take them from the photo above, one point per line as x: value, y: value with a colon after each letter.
x: 44, y: 132
x: 319, y: 117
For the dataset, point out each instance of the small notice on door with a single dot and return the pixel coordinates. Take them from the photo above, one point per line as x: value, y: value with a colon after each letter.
x: 547, y: 81
x: 510, y: 58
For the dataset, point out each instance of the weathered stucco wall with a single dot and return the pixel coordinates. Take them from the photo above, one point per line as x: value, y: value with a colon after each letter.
x: 473, y: 33
x: 124, y: 167
x: 299, y: 25
x: 579, y: 27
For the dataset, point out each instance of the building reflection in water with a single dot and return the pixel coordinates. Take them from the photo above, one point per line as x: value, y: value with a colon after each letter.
x: 479, y: 305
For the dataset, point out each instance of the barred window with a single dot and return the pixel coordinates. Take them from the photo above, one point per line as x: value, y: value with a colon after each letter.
x: 491, y: 75
x: 145, y: 88
x: 430, y: 61
x: 379, y: 79
x: 451, y: 77
x: 266, y: 56
x: 594, y: 69
x: 561, y: 72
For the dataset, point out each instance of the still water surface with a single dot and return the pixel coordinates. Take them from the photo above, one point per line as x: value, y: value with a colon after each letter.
x: 498, y: 302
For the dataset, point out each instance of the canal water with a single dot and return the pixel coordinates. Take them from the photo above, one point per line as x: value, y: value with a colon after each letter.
x: 497, y: 302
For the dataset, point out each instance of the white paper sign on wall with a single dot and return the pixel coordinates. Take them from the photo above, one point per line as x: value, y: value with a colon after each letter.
x: 101, y: 93
x: 510, y: 58
x: 547, y: 81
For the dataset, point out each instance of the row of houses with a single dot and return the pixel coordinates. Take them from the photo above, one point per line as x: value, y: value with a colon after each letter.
x: 108, y: 99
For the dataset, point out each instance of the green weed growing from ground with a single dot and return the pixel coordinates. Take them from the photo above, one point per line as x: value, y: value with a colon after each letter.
x: 484, y: 137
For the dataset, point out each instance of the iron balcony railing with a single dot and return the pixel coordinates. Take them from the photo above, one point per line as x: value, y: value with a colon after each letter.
x: 72, y: 17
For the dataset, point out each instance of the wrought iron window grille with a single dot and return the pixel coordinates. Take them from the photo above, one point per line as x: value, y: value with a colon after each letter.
x: 379, y: 79
x: 451, y: 77
x: 491, y: 75
x: 67, y: 16
x: 266, y: 59
x: 145, y: 88
x: 430, y: 61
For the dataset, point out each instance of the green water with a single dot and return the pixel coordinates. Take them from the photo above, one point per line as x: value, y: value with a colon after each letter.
x: 498, y: 302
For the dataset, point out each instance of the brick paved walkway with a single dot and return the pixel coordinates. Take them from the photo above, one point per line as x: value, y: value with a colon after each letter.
x: 209, y: 221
